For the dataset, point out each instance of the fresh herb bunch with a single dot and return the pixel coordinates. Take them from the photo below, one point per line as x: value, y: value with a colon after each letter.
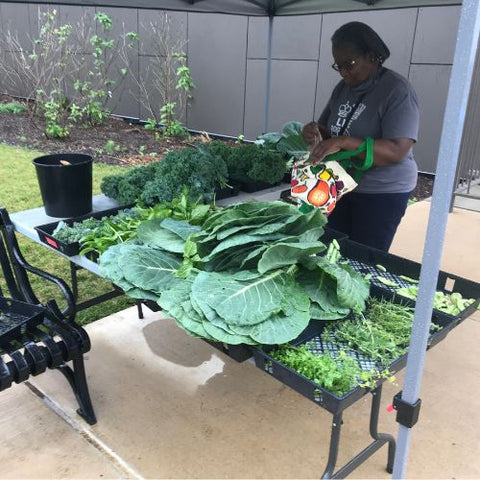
x: 338, y: 375
x: 382, y: 332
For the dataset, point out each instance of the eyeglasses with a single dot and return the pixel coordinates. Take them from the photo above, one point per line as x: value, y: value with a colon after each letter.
x: 345, y: 65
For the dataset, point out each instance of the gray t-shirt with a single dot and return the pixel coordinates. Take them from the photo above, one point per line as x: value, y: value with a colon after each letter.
x: 388, y: 109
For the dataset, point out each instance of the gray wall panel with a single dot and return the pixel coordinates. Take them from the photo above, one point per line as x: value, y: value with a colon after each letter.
x: 177, y: 25
x: 217, y: 59
x: 291, y: 93
x: 146, y: 64
x: 436, y: 35
x: 396, y: 28
x: 82, y: 20
x: 12, y: 86
x: 294, y: 38
x: 255, y: 98
x: 257, y: 37
x: 292, y: 90
x: 16, y: 18
x: 431, y: 83
x: 125, y: 94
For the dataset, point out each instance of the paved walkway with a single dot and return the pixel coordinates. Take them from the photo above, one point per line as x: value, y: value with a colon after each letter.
x: 170, y: 406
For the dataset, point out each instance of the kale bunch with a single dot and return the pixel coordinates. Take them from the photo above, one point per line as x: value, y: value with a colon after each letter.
x: 198, y: 169
x: 127, y: 188
x: 255, y: 163
x: 221, y: 149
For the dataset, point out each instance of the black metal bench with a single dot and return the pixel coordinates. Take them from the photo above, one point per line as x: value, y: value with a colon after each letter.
x: 51, y: 342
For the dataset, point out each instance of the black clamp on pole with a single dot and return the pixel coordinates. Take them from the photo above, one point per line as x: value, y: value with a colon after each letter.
x: 407, y: 413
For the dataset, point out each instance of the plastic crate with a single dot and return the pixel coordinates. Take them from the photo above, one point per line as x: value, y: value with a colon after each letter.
x: 15, y: 317
x: 313, y: 336
x: 365, y: 260
x: 45, y: 232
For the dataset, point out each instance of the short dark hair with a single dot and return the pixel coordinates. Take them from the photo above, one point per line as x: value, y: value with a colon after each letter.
x: 362, y: 38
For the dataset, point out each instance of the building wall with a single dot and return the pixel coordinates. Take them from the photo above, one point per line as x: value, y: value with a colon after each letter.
x: 227, y: 59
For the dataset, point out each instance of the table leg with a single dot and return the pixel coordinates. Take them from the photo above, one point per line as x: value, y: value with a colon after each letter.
x: 379, y: 440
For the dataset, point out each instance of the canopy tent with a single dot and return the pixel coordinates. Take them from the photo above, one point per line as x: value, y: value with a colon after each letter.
x: 254, y: 7
x: 457, y: 100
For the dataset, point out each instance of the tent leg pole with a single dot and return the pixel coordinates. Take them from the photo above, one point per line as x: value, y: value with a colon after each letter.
x: 451, y: 138
x: 266, y: 119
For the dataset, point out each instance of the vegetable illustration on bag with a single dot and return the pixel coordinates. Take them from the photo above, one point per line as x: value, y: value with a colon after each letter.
x: 322, y: 185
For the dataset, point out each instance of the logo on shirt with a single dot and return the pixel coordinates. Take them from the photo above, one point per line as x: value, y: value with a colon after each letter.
x: 344, y: 110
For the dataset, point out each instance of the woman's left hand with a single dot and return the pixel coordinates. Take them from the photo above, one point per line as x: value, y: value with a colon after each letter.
x: 327, y: 147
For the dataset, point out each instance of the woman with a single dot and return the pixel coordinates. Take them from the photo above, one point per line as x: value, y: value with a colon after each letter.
x: 369, y: 101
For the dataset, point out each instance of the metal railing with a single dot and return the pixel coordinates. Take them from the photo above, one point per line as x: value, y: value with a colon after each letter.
x: 467, y: 180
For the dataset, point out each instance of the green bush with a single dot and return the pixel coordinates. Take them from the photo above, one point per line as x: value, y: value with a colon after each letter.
x: 12, y: 107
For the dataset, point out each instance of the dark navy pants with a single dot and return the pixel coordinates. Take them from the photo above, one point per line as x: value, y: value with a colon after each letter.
x: 369, y: 218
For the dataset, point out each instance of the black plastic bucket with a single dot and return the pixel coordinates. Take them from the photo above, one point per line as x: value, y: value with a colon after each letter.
x: 65, y: 181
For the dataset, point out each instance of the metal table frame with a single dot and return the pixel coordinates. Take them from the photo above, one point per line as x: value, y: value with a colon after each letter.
x: 25, y: 223
x: 379, y: 439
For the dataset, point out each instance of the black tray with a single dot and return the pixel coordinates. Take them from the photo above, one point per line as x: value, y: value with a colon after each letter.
x: 332, y: 234
x: 314, y: 392
x: 227, y: 192
x: 70, y: 249
x: 240, y: 353
x: 15, y: 317
x: 251, y: 186
x: 365, y: 260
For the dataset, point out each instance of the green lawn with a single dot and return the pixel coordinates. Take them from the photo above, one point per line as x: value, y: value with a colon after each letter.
x: 20, y: 191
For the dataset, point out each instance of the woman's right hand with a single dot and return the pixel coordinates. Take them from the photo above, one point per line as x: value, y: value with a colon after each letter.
x: 311, y: 134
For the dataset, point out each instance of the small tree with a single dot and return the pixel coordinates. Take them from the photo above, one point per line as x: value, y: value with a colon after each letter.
x: 68, y: 86
x: 166, y: 84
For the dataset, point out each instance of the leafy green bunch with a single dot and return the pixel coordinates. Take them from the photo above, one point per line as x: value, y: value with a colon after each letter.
x: 238, y: 277
x: 247, y: 268
x: 13, y: 107
x: 289, y: 141
x: 195, y: 168
x: 97, y: 235
x: 250, y: 162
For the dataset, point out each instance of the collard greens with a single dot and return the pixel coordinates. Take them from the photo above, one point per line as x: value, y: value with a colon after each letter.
x: 253, y: 273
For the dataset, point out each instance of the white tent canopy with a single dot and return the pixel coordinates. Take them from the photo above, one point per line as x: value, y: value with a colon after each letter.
x: 255, y: 7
